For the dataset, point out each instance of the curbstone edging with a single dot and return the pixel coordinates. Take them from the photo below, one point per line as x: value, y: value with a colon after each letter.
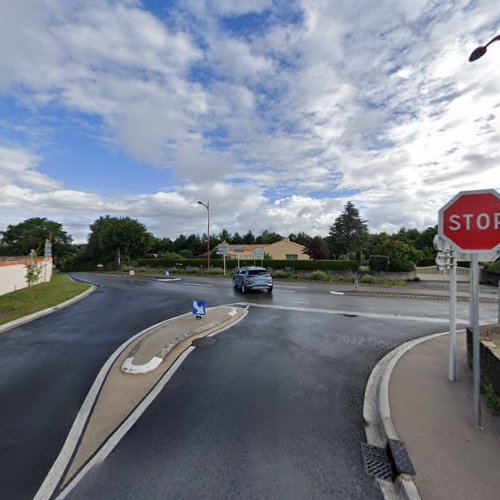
x: 44, y: 312
x: 419, y: 296
x: 377, y: 415
x: 129, y: 367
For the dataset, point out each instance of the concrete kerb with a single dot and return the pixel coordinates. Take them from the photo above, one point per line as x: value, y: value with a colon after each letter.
x: 130, y: 367
x: 377, y: 415
x: 44, y: 312
x: 395, y: 295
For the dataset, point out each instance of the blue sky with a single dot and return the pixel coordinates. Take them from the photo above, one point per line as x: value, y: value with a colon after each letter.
x: 278, y: 112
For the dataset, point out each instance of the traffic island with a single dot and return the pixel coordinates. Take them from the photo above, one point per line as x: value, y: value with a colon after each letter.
x: 127, y: 384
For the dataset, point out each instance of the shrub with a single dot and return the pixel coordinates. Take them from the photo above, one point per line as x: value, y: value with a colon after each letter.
x: 378, y: 263
x: 401, y: 266
x: 491, y: 398
x: 494, y: 267
x: 319, y: 276
x: 369, y: 280
x: 170, y: 255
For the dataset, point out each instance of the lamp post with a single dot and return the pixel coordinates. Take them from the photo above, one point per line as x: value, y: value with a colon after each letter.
x: 480, y: 51
x: 207, y: 206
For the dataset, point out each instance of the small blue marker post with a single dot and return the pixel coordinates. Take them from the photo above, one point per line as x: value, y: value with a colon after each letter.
x: 199, y: 308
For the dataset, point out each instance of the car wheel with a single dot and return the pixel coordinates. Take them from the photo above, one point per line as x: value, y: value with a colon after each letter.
x: 270, y: 289
x: 235, y: 285
x: 243, y: 289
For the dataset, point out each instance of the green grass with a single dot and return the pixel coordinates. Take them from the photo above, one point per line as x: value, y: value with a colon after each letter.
x: 17, y: 304
x: 491, y: 399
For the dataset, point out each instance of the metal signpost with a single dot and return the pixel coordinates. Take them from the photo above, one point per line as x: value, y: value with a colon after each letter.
x: 223, y: 249
x: 446, y: 260
x: 470, y: 223
x: 238, y: 249
x: 258, y: 254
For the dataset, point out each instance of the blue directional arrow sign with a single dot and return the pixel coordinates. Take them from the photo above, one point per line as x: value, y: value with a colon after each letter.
x: 199, y: 308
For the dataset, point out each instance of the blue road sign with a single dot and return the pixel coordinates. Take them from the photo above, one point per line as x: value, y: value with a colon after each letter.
x: 199, y: 307
x: 167, y: 273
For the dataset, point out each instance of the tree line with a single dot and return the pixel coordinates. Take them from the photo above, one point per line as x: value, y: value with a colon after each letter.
x: 120, y: 240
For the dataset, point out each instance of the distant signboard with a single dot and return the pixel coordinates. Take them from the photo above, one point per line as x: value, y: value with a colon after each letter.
x: 239, y: 248
x: 223, y: 249
x: 258, y: 253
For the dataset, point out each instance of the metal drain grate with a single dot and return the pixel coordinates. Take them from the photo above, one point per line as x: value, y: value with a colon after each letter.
x: 203, y: 342
x: 398, y: 454
x: 376, y: 462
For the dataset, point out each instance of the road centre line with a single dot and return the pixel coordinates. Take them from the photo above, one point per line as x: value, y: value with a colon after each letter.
x: 284, y: 291
x: 361, y: 314
x: 196, y: 284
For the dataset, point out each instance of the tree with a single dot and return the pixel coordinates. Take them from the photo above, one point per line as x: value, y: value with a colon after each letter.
x: 179, y: 243
x: 20, y: 239
x: 396, y: 251
x: 300, y: 238
x: 225, y: 235
x: 317, y: 249
x: 160, y: 245
x: 237, y: 239
x: 249, y: 238
x: 268, y: 237
x: 117, y: 237
x: 349, y: 232
x: 33, y: 270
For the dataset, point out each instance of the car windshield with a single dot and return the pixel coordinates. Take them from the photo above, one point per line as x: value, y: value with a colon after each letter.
x: 256, y: 272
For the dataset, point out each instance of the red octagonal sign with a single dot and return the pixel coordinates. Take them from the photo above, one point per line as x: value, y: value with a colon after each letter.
x: 471, y: 221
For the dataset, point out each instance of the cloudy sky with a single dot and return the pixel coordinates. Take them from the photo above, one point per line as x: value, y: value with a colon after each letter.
x: 278, y: 112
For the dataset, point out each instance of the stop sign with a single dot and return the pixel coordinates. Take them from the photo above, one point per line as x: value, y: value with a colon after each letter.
x: 471, y: 221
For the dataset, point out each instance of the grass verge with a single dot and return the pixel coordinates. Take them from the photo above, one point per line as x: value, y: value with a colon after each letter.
x: 17, y: 304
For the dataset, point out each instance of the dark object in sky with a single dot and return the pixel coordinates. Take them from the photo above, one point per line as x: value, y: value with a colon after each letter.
x: 480, y: 51
x: 477, y: 53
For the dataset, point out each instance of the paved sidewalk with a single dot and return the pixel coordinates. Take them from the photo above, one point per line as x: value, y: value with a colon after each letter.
x: 434, y: 418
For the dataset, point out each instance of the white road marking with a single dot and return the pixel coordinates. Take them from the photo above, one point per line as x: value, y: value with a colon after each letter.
x: 333, y: 292
x: 284, y: 291
x: 300, y: 302
x: 357, y: 313
x: 197, y: 284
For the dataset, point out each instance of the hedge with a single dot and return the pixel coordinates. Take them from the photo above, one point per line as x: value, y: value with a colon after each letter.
x: 297, y: 265
x: 401, y: 266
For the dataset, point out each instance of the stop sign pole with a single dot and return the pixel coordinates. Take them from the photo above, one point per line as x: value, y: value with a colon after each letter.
x: 470, y: 223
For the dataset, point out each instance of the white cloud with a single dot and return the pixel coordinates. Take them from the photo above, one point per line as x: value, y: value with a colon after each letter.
x: 375, y: 99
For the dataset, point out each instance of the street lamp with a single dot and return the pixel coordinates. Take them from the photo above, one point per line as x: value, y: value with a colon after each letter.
x: 207, y: 206
x: 480, y: 51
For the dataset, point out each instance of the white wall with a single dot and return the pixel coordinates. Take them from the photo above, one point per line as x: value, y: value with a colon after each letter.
x: 13, y: 274
x: 431, y: 273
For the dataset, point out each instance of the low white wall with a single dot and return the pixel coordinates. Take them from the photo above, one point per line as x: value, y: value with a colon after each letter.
x: 431, y: 273
x: 13, y: 274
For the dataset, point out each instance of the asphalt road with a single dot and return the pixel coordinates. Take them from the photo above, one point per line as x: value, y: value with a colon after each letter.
x: 272, y: 409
